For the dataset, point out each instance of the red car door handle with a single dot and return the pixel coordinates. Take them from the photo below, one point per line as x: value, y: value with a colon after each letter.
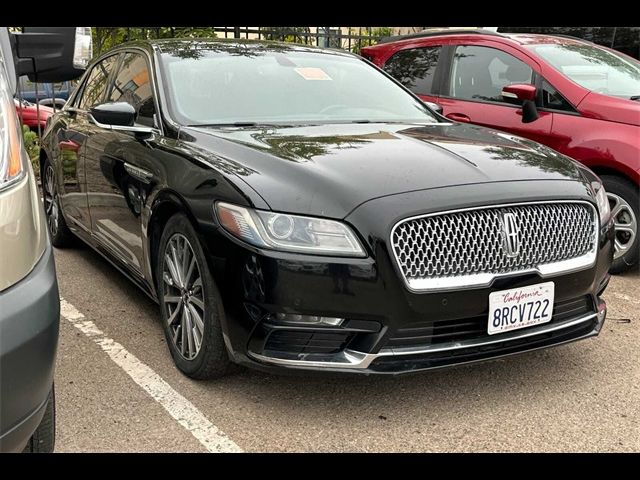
x: 458, y: 117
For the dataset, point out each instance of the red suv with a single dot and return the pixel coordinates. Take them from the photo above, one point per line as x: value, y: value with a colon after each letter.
x: 578, y: 98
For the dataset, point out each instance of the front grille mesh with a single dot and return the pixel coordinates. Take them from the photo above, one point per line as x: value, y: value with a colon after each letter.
x: 473, y: 241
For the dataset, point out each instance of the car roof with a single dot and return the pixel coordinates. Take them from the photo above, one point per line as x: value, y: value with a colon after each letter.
x: 439, y: 32
x: 540, y: 39
x: 518, y: 38
x: 232, y: 45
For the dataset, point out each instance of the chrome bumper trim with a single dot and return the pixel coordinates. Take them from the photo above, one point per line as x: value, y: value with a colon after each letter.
x: 347, y: 359
x: 352, y: 359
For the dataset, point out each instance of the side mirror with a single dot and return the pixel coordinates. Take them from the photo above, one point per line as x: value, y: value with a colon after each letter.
x: 519, y: 91
x: 120, y: 114
x: 117, y: 116
x: 52, y: 54
x: 525, y: 93
x: 435, y: 107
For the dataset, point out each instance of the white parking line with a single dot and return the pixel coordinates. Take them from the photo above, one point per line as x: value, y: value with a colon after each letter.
x: 181, y: 409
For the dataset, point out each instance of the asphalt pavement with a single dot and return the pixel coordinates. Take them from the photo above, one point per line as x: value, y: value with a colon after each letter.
x: 118, y: 390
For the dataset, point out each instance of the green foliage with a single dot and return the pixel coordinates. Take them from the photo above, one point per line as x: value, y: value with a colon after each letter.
x: 289, y: 34
x: 32, y: 146
x: 189, y: 32
x: 374, y: 34
x: 105, y: 38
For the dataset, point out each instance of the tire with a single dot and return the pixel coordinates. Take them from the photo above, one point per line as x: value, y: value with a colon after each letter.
x: 43, y: 439
x: 625, y: 204
x: 61, y: 236
x: 206, y: 358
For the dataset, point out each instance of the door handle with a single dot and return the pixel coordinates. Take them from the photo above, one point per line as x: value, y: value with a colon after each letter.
x: 458, y: 117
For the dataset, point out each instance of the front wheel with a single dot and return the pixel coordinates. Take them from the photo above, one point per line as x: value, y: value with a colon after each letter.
x: 625, y: 206
x: 190, y: 303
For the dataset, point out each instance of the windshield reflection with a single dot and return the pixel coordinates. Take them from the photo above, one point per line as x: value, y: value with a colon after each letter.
x: 256, y: 83
x: 594, y: 68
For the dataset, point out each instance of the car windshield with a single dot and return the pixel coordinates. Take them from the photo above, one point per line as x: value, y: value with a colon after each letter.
x: 595, y: 68
x: 220, y: 84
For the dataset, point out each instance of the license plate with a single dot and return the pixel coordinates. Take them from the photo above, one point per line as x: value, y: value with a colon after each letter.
x: 520, y: 307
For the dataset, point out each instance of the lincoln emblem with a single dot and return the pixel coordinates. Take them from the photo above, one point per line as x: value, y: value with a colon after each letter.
x: 512, y: 235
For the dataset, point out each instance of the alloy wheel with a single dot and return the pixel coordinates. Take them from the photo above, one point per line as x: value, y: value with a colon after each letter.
x: 625, y: 224
x: 51, y: 200
x: 183, y: 296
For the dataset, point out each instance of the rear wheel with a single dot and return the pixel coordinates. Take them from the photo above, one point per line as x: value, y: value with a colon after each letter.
x: 44, y: 438
x: 61, y: 236
x: 190, y: 303
x: 625, y: 206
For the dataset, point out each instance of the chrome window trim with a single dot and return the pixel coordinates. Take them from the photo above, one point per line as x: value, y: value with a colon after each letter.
x: 483, y: 280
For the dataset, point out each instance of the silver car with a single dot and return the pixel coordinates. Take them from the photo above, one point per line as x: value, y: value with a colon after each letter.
x: 29, y: 299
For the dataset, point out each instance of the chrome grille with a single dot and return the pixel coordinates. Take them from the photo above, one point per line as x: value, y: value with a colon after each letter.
x: 469, y: 247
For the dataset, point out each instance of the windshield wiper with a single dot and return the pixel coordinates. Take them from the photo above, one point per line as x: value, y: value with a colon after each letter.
x: 635, y: 97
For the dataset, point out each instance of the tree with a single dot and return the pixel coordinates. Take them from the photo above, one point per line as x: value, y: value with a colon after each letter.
x: 372, y: 36
x: 288, y: 34
x: 105, y: 38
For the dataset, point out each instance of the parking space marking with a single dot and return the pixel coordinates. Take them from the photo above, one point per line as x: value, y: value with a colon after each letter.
x: 181, y: 409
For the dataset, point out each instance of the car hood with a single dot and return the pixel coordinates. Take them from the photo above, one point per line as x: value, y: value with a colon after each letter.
x: 328, y: 170
x: 612, y: 109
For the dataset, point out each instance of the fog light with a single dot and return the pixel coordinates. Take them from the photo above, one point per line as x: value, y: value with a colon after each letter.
x: 308, y: 319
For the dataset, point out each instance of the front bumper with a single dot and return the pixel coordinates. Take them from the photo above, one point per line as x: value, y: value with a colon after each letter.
x: 29, y: 322
x: 387, y: 328
x: 376, y: 337
x: 392, y: 360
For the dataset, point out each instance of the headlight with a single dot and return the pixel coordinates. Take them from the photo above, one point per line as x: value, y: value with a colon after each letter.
x: 11, y: 167
x: 291, y: 233
x: 603, y: 203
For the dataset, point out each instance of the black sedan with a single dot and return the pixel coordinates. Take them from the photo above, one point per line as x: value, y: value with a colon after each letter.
x: 293, y: 207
